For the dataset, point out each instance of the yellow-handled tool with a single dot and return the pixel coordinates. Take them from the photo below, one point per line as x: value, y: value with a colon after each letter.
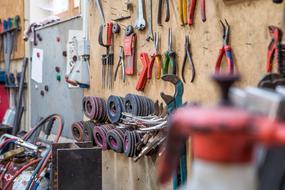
x: 183, y: 11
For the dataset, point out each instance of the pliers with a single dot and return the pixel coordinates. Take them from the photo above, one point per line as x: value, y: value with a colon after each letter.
x: 159, y: 12
x: 189, y: 57
x: 155, y: 58
x: 192, y: 7
x: 170, y: 56
x: 121, y: 63
x: 272, y: 51
x: 225, y: 50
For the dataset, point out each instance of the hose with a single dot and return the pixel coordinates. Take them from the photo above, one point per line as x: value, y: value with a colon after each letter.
x: 26, y: 166
x: 43, y: 160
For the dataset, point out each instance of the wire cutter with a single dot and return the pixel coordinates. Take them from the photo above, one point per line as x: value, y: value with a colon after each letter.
x: 272, y: 51
x: 192, y: 7
x: 121, y: 63
x: 189, y: 57
x: 155, y: 58
x: 170, y: 56
x: 225, y: 50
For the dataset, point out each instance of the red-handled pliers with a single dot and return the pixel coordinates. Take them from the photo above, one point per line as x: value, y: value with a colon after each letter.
x: 192, y: 7
x: 272, y: 51
x: 225, y: 50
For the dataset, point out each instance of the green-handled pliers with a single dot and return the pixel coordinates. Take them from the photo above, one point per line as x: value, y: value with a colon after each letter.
x: 170, y: 56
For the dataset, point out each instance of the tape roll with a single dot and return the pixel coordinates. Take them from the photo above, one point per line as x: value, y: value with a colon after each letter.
x: 115, y: 108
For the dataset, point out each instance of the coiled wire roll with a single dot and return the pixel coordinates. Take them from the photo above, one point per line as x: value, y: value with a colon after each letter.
x: 100, y: 135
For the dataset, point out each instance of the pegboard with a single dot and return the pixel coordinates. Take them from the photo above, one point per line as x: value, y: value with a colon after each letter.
x: 11, y: 8
x: 59, y: 98
x: 249, y: 39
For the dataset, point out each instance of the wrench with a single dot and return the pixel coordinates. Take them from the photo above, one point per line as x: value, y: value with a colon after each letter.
x: 140, y: 21
x: 149, y: 21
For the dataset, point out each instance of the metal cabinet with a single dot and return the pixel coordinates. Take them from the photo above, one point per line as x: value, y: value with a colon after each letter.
x: 53, y: 95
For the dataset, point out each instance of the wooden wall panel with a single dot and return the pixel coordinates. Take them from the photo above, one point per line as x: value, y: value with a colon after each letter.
x: 11, y: 8
x: 249, y: 40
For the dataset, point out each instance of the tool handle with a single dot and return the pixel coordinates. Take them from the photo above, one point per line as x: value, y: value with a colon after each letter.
x: 191, y: 11
x: 184, y: 4
x: 219, y: 60
x: 230, y: 59
x: 16, y: 21
x: 109, y: 33
x: 159, y: 12
x: 166, y: 64
x: 172, y: 57
x: 181, y: 12
x: 150, y: 67
x: 167, y: 14
x: 143, y: 76
x: 269, y: 61
x: 158, y: 66
x: 203, y: 10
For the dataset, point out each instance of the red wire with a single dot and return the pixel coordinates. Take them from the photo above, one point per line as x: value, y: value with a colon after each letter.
x: 20, y: 171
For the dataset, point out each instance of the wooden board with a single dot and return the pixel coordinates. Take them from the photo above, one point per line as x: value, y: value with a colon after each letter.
x: 11, y: 8
x: 249, y: 20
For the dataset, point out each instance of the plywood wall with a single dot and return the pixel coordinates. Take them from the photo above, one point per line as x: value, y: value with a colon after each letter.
x: 249, y: 20
x: 11, y: 8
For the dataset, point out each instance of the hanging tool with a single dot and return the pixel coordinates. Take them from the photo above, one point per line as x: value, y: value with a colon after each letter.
x: 129, y: 50
x: 159, y: 12
x: 170, y: 56
x: 8, y: 47
x: 140, y: 21
x: 121, y: 64
x: 183, y: 11
x: 149, y: 21
x: 192, y: 7
x: 108, y: 58
x: 276, y: 35
x: 155, y: 58
x: 101, y: 11
x: 174, y: 102
x: 225, y: 50
x: 189, y: 57
x: 143, y: 76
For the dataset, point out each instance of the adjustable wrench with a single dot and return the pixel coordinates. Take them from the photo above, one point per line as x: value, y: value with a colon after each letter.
x: 140, y: 21
x: 149, y: 21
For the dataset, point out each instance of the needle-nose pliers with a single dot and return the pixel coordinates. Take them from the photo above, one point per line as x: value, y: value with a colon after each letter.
x: 170, y: 56
x: 225, y: 50
x: 189, y: 57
